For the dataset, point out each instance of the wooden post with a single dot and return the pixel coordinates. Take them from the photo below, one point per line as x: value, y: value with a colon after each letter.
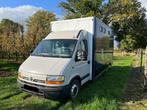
x: 141, y: 58
x: 145, y: 71
x: 138, y: 57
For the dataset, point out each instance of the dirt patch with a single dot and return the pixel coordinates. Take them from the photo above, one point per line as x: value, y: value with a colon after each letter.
x: 5, y: 73
x: 134, y: 89
x: 133, y: 96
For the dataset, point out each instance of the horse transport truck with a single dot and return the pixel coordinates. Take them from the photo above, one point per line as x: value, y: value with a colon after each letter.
x: 75, y: 52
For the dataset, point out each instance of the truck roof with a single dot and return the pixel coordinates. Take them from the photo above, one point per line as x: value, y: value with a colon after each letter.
x: 63, y: 35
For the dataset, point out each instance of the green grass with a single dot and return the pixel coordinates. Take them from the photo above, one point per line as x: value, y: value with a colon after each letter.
x: 8, y: 66
x: 102, y: 94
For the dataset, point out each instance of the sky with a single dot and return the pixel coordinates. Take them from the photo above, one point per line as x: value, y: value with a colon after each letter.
x: 144, y: 4
x: 51, y: 5
x: 20, y: 10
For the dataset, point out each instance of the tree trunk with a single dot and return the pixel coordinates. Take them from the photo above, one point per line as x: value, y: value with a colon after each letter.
x: 16, y: 56
x: 145, y: 71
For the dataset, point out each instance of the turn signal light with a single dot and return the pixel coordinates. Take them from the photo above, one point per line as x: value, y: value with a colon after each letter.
x: 54, y: 82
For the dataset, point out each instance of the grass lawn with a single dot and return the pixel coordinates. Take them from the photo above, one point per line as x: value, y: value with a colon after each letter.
x: 102, y: 94
x: 8, y: 66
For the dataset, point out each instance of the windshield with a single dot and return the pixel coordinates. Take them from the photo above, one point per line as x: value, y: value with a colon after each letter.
x: 55, y: 48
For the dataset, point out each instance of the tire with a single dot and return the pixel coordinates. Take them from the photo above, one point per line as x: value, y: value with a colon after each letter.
x: 74, y: 89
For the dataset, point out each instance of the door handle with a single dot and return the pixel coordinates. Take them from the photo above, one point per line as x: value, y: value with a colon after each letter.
x: 88, y: 62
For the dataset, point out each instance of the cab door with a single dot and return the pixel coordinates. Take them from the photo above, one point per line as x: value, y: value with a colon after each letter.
x: 82, y: 61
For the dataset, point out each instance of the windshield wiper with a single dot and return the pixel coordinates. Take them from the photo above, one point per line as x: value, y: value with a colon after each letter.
x: 45, y: 55
x: 64, y: 56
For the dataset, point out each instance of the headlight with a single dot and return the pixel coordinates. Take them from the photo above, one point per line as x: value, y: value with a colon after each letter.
x: 55, y: 79
x: 20, y: 75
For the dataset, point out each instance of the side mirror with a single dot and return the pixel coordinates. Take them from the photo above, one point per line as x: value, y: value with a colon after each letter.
x: 81, y: 56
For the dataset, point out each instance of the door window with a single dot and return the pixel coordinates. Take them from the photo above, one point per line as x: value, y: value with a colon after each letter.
x: 82, y: 51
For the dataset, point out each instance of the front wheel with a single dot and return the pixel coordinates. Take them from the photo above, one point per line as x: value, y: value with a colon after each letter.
x: 74, y: 89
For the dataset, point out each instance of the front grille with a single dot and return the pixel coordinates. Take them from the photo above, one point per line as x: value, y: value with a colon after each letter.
x: 33, y: 79
x: 30, y: 88
x: 26, y: 78
x: 39, y: 81
x: 33, y: 84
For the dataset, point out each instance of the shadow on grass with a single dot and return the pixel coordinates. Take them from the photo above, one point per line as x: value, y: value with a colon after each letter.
x: 110, y: 85
x: 8, y: 66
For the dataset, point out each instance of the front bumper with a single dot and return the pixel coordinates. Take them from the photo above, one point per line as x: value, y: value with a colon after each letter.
x: 60, y: 92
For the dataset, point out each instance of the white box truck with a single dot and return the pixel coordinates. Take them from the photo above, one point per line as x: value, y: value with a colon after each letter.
x: 76, y: 51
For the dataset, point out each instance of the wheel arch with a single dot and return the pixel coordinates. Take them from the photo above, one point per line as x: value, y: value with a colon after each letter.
x: 75, y: 78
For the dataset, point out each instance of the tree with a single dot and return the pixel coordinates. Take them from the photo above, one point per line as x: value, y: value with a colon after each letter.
x: 128, y: 19
x: 121, y: 10
x: 38, y: 27
x: 81, y: 8
x: 14, y: 43
x: 128, y: 44
x: 9, y: 31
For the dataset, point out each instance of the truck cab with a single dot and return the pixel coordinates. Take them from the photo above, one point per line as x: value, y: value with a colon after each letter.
x: 58, y: 66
